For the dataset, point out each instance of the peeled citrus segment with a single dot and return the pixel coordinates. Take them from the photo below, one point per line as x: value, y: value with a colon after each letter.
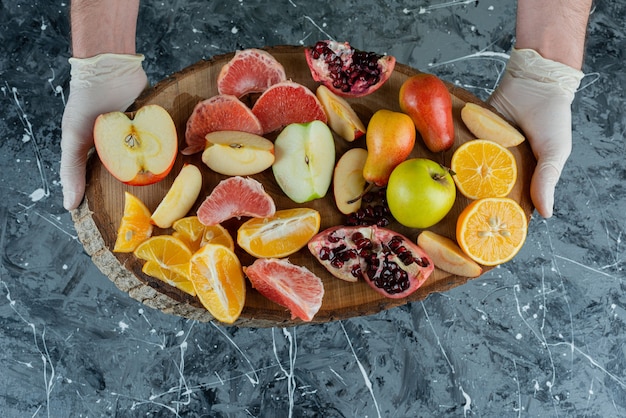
x: 135, y: 226
x: 195, y: 234
x: 179, y: 281
x: 249, y: 71
x: 167, y: 251
x: 222, y: 112
x: 217, y: 276
x: 287, y: 284
x: 491, y: 231
x: 483, y: 168
x: 285, y: 103
x: 278, y: 236
x: 236, y: 197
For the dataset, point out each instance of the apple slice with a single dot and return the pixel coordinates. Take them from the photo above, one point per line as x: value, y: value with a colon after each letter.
x: 447, y: 255
x: 348, y: 180
x: 237, y: 153
x: 137, y: 148
x: 485, y: 124
x: 180, y: 197
x: 341, y: 117
x: 305, y: 159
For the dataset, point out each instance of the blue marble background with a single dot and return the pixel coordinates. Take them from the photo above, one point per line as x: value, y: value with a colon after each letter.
x: 542, y: 336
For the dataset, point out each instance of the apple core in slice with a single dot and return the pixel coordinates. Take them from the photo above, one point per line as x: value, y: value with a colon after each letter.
x: 236, y: 153
x: 137, y: 148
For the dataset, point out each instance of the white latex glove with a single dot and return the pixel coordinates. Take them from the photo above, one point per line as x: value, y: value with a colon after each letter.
x: 101, y: 84
x: 536, y: 94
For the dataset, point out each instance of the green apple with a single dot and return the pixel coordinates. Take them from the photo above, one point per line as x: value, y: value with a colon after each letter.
x: 304, y: 160
x: 420, y: 192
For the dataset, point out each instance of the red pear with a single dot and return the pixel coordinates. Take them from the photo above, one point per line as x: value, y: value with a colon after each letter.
x: 425, y: 98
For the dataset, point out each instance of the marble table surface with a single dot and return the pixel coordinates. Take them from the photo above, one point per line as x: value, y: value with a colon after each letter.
x: 541, y: 336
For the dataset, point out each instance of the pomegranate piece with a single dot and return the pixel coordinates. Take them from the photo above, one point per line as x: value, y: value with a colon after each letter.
x: 389, y: 262
x: 348, y: 71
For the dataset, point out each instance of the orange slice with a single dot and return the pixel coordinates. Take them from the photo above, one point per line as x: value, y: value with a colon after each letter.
x: 167, y: 251
x: 135, y: 226
x: 217, y: 276
x: 278, y: 236
x: 491, y: 231
x: 483, y: 168
x: 182, y: 282
x: 195, y: 234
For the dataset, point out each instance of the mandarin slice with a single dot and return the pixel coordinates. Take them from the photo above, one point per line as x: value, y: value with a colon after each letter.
x: 195, y: 234
x: 168, y: 251
x: 135, y: 226
x: 281, y: 235
x: 177, y: 280
x: 491, y: 231
x: 217, y: 276
x: 483, y: 168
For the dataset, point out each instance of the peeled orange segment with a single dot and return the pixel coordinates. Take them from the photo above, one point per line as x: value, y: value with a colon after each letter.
x: 236, y: 197
x: 179, y: 281
x: 249, y: 71
x: 278, y: 236
x: 135, y: 226
x: 287, y: 284
x: 491, y: 231
x: 222, y: 112
x: 217, y: 277
x: 167, y: 251
x: 285, y: 103
x: 483, y: 168
x: 195, y: 234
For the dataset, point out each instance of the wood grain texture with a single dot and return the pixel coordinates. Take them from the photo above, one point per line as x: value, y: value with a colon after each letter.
x: 98, y: 217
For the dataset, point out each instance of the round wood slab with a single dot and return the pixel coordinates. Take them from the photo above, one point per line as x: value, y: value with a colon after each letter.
x: 98, y: 217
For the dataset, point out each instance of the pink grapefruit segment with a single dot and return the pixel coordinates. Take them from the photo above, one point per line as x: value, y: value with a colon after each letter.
x: 285, y: 103
x: 235, y: 197
x: 288, y: 285
x: 249, y: 71
x: 221, y: 112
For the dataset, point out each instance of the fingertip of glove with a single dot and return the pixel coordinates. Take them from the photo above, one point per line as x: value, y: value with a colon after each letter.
x: 71, y: 200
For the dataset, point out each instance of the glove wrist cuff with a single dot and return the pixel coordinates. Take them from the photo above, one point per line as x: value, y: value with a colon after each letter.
x: 104, y: 68
x: 529, y: 64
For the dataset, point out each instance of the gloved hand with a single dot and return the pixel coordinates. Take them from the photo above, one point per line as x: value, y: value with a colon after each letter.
x: 536, y: 94
x: 101, y: 84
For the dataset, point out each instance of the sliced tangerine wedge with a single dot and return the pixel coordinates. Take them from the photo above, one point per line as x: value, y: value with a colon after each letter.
x: 195, y: 234
x: 278, y: 236
x: 492, y: 230
x: 483, y: 168
x: 135, y: 226
x: 167, y: 251
x: 217, y: 276
x: 179, y: 281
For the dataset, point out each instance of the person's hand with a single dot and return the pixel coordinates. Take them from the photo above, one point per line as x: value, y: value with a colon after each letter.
x: 101, y: 84
x: 536, y: 94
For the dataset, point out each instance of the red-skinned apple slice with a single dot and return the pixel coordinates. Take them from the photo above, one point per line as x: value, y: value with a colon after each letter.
x: 137, y: 148
x: 342, y: 119
x: 237, y: 153
x: 348, y: 180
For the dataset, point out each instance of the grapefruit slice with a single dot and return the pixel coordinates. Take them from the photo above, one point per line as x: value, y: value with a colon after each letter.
x: 288, y: 285
x: 285, y: 103
x: 235, y: 197
x: 249, y: 71
x: 221, y: 112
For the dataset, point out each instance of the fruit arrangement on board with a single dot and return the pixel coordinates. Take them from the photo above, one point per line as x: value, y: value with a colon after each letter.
x: 292, y: 132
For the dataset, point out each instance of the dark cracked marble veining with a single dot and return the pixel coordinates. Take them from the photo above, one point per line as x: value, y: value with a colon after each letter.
x: 542, y: 336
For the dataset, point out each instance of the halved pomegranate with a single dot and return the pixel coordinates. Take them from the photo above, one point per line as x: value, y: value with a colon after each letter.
x: 389, y: 262
x: 348, y: 71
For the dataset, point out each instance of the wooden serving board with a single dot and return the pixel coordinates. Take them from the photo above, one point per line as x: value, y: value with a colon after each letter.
x: 98, y: 217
